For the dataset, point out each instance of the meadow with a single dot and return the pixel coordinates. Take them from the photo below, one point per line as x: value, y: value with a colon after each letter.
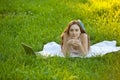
x: 36, y: 22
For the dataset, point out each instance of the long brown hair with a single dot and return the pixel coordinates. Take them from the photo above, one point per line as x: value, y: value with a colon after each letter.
x: 66, y: 30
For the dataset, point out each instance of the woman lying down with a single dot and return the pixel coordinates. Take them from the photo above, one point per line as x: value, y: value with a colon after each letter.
x: 75, y: 43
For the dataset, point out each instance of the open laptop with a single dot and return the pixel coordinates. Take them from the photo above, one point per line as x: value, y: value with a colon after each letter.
x: 28, y: 49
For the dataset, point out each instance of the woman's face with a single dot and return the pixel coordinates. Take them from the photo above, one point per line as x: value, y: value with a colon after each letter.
x: 74, y: 31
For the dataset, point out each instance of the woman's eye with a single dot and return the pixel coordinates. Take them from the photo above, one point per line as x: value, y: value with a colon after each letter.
x: 71, y: 30
x: 76, y: 30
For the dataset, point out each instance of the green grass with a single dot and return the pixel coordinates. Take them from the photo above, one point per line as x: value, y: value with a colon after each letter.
x: 36, y: 22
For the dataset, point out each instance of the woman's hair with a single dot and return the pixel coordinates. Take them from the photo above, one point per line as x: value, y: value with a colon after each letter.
x: 66, y: 30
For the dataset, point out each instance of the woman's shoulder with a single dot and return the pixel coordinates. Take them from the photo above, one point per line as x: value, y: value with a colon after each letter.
x: 84, y: 35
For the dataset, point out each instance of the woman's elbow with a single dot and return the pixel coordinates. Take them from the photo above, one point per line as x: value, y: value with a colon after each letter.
x: 85, y: 53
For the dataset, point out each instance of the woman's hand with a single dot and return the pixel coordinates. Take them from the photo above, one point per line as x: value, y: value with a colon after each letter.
x: 74, y: 42
x: 70, y: 42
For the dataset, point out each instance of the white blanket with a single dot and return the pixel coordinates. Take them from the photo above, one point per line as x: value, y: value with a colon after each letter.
x: 99, y: 49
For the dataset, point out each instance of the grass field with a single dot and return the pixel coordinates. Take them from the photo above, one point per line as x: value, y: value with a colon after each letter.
x: 36, y: 22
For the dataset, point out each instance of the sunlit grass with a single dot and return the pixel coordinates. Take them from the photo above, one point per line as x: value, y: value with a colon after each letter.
x: 38, y: 22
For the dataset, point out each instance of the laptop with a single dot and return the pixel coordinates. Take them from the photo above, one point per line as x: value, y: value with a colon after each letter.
x: 28, y: 49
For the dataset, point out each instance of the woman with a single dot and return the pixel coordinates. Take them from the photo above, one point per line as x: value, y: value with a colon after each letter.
x: 75, y: 41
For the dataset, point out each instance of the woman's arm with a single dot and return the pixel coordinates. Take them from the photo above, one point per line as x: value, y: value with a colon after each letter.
x: 84, y: 43
x: 65, y: 45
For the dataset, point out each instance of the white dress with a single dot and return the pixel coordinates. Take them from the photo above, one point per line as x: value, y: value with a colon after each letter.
x: 98, y: 49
